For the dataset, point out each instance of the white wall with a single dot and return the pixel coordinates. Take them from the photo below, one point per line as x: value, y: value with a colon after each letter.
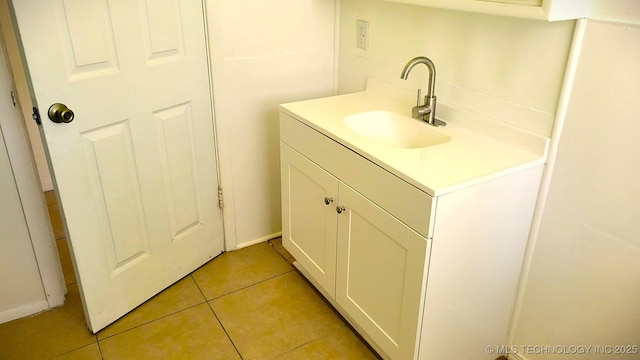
x: 506, y: 68
x: 619, y: 11
x: 22, y: 90
x: 584, y: 281
x: 264, y: 53
x: 21, y: 290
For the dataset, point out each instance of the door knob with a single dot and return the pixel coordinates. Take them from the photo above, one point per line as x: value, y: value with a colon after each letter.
x: 60, y: 113
x: 340, y: 209
x: 328, y: 200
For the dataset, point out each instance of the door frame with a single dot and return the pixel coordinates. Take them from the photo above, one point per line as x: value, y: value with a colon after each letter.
x: 222, y: 129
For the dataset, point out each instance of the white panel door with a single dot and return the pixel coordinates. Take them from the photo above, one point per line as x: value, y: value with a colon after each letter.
x: 136, y: 169
x: 381, y: 274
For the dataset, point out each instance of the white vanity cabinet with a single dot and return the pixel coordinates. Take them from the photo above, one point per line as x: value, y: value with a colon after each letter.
x: 418, y: 276
x: 550, y: 10
x: 366, y: 261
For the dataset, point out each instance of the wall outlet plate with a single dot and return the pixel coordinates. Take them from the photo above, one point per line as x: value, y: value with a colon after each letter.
x: 362, y: 34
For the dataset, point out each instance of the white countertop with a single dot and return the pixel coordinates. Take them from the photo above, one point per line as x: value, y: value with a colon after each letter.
x: 480, y: 148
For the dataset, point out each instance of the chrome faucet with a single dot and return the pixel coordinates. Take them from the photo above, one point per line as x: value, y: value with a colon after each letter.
x: 426, y: 111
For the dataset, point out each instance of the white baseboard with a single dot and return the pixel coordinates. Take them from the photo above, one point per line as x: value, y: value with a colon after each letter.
x: 22, y: 311
x: 258, y: 241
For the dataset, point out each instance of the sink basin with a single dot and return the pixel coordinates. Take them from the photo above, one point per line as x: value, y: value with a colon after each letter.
x: 395, y: 130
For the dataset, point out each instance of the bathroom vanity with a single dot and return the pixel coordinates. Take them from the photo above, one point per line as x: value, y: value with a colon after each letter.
x: 415, y: 234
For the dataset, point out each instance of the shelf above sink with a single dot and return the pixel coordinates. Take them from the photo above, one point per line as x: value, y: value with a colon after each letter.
x: 549, y: 10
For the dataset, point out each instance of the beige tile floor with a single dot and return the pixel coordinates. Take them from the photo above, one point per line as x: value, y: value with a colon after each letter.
x: 245, y: 304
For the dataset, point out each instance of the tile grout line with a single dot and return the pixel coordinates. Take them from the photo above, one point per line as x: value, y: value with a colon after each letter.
x: 198, y: 286
x: 163, y: 316
x: 76, y: 349
x: 225, y: 330
x: 312, y: 340
x: 216, y: 316
x: 206, y: 300
x: 151, y: 321
x: 209, y: 301
x: 99, y: 347
x: 250, y: 285
x: 292, y: 269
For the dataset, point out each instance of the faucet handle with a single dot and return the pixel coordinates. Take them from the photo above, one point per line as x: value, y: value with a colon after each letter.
x: 420, y: 111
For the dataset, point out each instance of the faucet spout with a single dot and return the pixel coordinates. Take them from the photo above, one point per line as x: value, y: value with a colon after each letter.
x: 426, y: 111
x: 431, y: 84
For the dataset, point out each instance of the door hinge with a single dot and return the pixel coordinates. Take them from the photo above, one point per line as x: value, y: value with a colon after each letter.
x: 220, y: 198
x: 36, y: 116
x: 13, y: 98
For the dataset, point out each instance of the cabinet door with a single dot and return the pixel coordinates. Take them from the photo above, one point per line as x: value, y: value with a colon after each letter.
x: 381, y: 274
x: 309, y: 216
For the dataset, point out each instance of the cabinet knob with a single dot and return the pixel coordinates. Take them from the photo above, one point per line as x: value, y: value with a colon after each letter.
x: 328, y: 200
x: 340, y: 209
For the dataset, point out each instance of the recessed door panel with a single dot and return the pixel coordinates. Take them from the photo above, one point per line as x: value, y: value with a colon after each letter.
x: 87, y: 35
x: 374, y: 254
x: 111, y: 161
x: 162, y: 29
x: 381, y: 272
x: 310, y: 196
x: 176, y: 146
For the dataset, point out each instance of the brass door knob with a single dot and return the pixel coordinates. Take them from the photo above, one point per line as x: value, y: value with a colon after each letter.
x: 60, y: 113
